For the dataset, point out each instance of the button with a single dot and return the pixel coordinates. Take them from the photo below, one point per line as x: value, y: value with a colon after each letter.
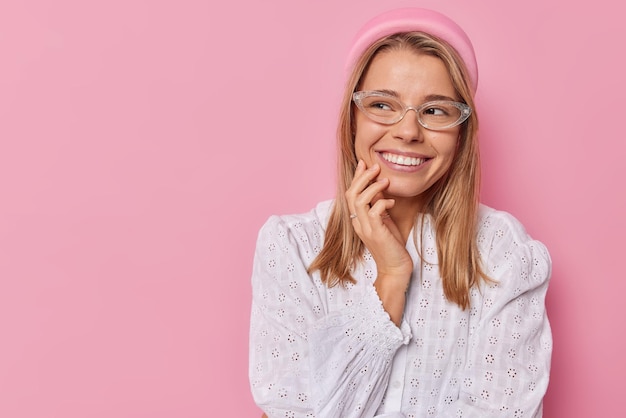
x: 396, y: 384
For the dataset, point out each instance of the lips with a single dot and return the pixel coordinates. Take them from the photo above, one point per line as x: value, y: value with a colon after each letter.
x: 403, y: 159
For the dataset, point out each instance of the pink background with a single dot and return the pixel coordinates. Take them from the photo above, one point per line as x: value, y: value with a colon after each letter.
x: 144, y: 142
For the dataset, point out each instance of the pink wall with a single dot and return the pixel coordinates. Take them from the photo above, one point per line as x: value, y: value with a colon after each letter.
x: 143, y: 143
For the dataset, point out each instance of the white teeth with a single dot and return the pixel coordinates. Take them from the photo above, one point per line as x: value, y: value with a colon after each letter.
x: 402, y: 160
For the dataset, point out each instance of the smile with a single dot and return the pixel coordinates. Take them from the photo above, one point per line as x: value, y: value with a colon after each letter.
x: 402, y: 160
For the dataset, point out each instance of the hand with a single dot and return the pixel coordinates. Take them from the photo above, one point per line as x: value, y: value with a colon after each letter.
x: 377, y: 229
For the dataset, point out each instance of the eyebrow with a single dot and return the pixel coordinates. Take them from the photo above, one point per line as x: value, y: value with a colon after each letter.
x: 429, y: 98
x: 432, y: 97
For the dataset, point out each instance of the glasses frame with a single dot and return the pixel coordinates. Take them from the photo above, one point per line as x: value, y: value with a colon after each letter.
x: 357, y: 98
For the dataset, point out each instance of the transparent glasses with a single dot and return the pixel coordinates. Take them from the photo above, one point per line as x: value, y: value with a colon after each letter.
x: 387, y: 109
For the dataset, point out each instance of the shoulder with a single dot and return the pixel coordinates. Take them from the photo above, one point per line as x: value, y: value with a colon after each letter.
x: 314, y: 220
x: 495, y: 223
x: 304, y: 231
x: 503, y: 241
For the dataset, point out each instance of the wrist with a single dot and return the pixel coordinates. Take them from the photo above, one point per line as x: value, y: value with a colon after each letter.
x: 393, y: 283
x: 393, y: 298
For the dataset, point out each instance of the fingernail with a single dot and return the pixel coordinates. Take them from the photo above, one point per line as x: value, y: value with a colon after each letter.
x: 374, y: 167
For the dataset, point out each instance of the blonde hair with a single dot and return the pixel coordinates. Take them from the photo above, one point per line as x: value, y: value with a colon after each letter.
x: 452, y: 201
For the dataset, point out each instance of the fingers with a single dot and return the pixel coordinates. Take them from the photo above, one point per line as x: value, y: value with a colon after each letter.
x: 363, y: 177
x: 370, y: 197
x: 368, y: 207
x: 370, y: 218
x: 363, y: 190
x: 379, y: 209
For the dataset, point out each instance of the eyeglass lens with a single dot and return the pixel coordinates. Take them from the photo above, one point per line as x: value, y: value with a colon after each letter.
x: 390, y: 110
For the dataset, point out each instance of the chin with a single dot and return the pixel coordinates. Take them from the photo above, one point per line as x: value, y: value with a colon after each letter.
x: 404, y: 193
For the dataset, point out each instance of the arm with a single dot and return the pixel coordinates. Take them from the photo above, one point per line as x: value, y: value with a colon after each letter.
x: 382, y: 237
x: 508, y: 365
x: 306, y: 359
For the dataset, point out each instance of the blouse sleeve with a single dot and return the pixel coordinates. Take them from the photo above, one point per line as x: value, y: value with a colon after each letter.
x: 511, y: 344
x: 307, y: 360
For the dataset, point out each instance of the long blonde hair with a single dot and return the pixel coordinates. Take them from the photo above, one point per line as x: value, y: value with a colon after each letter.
x: 452, y: 201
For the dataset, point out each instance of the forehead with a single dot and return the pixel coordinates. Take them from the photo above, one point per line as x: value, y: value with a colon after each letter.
x: 408, y: 73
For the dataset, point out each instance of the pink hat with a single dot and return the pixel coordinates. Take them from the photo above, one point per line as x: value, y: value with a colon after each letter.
x: 421, y: 20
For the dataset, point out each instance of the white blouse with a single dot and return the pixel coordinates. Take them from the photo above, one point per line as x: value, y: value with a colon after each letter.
x: 333, y: 352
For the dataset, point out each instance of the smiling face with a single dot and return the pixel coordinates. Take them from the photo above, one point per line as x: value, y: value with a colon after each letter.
x: 412, y: 157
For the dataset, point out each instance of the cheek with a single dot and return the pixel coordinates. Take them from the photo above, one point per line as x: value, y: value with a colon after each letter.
x: 360, y: 146
x: 444, y: 143
x: 452, y: 153
x: 448, y: 149
x: 366, y: 135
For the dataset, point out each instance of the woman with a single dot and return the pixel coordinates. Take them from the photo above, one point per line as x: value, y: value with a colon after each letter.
x: 402, y: 297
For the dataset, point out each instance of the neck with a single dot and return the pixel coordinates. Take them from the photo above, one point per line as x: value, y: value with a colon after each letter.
x: 404, y: 213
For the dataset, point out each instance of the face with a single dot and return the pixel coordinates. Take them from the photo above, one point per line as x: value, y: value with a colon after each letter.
x: 415, y: 79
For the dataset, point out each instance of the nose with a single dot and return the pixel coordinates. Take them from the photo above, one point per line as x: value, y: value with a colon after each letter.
x: 408, y: 128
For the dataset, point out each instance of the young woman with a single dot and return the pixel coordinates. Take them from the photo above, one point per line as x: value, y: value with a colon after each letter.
x: 402, y: 297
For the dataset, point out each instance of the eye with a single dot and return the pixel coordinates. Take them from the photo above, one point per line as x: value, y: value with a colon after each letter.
x: 436, y: 111
x: 381, y: 106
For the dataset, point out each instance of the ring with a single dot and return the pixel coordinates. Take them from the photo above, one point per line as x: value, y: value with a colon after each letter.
x: 352, y: 215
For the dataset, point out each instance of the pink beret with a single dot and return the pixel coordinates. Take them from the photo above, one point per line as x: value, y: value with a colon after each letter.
x: 421, y: 20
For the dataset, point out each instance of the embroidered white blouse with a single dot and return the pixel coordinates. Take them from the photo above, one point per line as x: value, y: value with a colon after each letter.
x: 333, y: 352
